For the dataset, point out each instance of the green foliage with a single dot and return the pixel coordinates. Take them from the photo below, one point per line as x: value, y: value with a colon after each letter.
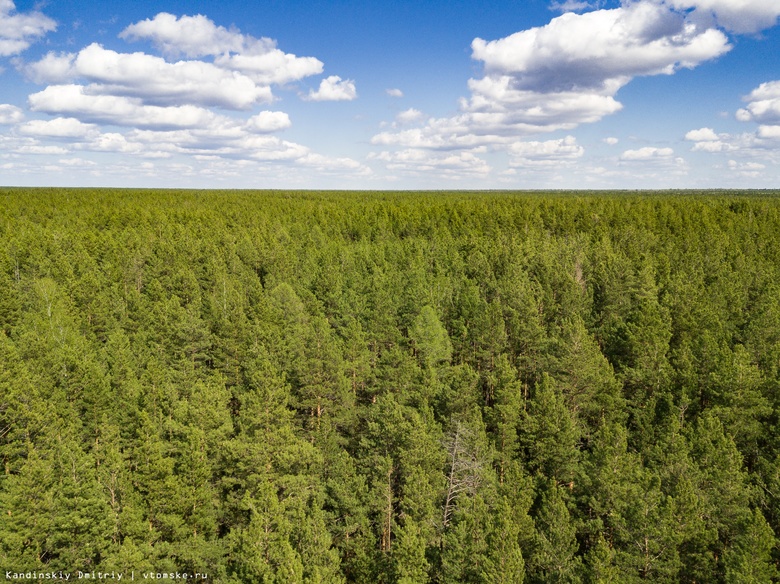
x: 391, y: 387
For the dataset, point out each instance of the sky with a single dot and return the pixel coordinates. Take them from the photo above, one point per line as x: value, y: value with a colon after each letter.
x: 348, y: 94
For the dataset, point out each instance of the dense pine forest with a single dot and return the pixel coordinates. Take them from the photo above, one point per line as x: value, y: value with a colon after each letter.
x: 301, y: 387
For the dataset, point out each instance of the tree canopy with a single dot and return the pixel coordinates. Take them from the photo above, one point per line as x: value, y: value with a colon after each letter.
x: 305, y: 387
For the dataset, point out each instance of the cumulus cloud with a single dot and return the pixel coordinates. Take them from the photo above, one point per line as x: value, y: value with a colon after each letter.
x: 702, y: 134
x: 52, y: 68
x: 652, y: 164
x: 566, y: 73
x: 600, y: 49
x: 573, y: 5
x: 272, y: 66
x: 10, y: 114
x: 225, y: 139
x: 707, y: 140
x: 197, y: 36
x: 59, y: 128
x: 763, y: 105
x: 738, y: 16
x: 266, y: 121
x: 769, y: 132
x: 448, y: 165
x: 611, y: 140
x: 647, y: 153
x: 547, y: 153
x: 749, y: 166
x: 239, y: 73
x: 151, y: 78
x: 191, y: 36
x: 409, y: 116
x: 41, y: 150
x: 76, y: 101
x: 334, y: 88
x: 746, y: 169
x: 763, y: 108
x: 394, y: 92
x: 18, y: 30
x: 113, y: 142
x: 76, y: 162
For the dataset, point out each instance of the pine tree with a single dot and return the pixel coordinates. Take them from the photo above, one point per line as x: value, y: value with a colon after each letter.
x: 549, y: 436
x: 554, y: 557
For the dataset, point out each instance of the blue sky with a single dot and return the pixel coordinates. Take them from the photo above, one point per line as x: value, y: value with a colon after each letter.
x: 391, y: 95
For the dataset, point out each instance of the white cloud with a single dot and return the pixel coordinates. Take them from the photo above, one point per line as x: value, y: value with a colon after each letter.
x: 271, y: 67
x: 647, y: 153
x: 198, y: 36
x: 10, y: 114
x: 75, y: 101
x: 77, y: 162
x: 113, y: 142
x: 713, y: 146
x: 769, y: 132
x: 702, y: 134
x: 439, y: 134
x: 746, y: 169
x: 329, y: 164
x: 394, y: 92
x: 151, y: 78
x: 449, y: 165
x: 18, y: 30
x: 707, y: 140
x: 40, y: 149
x: 599, y: 49
x: 547, y: 153
x: 52, y: 68
x: 566, y: 73
x: 573, y: 5
x: 59, y: 128
x: 192, y: 36
x: 611, y: 140
x: 266, y: 121
x: 334, y: 88
x: 739, y: 16
x: 763, y: 105
x: 409, y: 116
x: 750, y: 166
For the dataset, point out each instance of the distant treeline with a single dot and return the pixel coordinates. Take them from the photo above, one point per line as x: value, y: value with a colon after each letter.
x: 303, y: 387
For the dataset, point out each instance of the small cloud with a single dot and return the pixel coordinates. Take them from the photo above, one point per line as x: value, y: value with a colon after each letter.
x: 52, y: 68
x: 76, y: 162
x: 394, y: 92
x: 736, y: 16
x: 547, y: 153
x: 266, y: 122
x: 334, y: 88
x: 763, y: 104
x: 746, y: 169
x: 734, y: 165
x: 66, y: 128
x: 611, y: 140
x: 702, y: 135
x: 10, y: 114
x: 409, y: 116
x: 647, y: 153
x: 574, y: 5
x: 421, y: 162
x: 712, y: 146
x: 769, y: 132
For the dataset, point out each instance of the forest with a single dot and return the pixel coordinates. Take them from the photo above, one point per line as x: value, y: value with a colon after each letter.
x: 391, y: 387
